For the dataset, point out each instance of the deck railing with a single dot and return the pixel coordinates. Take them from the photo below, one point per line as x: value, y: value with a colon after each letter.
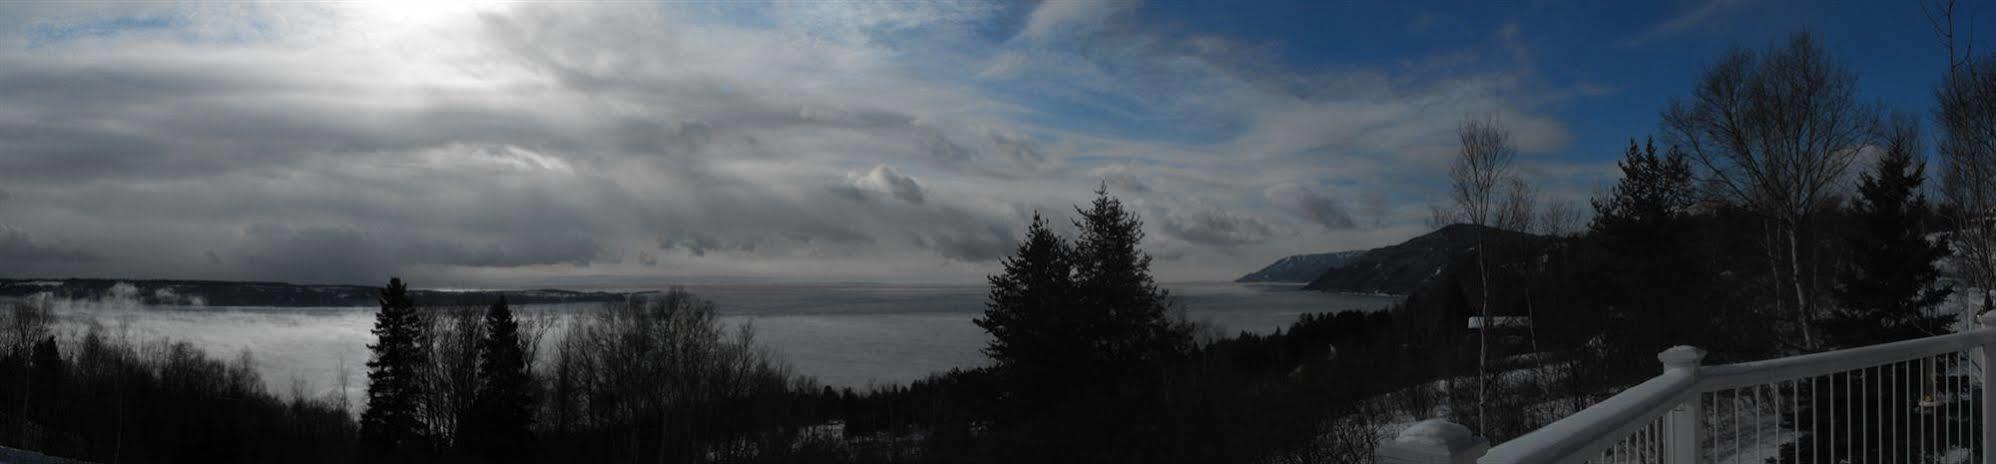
x: 1911, y: 401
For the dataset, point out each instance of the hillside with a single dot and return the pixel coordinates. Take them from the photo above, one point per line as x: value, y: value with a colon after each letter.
x: 218, y: 293
x: 1302, y: 268
x: 1399, y: 269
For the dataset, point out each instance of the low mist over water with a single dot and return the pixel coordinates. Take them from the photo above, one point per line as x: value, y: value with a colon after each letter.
x: 844, y: 335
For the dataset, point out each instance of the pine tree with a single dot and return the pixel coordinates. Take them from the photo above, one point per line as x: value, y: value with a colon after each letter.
x: 1033, y: 336
x: 502, y: 410
x: 389, y: 426
x: 1126, y: 314
x: 1887, y: 291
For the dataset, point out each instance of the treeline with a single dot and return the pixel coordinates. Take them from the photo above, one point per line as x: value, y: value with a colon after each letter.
x: 106, y: 398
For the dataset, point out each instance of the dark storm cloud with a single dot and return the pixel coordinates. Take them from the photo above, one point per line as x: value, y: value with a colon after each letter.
x: 16, y: 246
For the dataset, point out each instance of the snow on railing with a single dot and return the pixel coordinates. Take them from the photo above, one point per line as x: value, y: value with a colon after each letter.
x: 1911, y: 401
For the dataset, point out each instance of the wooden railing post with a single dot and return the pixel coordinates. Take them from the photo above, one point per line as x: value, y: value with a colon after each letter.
x: 1680, y: 429
x: 1433, y: 441
x: 1982, y: 353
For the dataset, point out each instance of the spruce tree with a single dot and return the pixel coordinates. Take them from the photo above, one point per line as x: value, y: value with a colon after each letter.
x: 1884, y: 292
x: 1645, y: 221
x: 502, y: 410
x: 1887, y: 290
x: 1125, y: 312
x: 1643, y: 211
x: 1027, y: 309
x: 389, y: 427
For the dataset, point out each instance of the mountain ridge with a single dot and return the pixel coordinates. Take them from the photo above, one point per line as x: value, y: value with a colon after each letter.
x: 1400, y: 269
x: 1302, y: 268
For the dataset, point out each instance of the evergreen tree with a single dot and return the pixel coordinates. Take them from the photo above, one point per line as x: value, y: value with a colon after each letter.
x: 1126, y: 314
x: 1028, y: 312
x: 1887, y: 290
x: 1081, y: 338
x: 1645, y: 222
x: 1644, y: 209
x: 389, y: 426
x: 502, y: 409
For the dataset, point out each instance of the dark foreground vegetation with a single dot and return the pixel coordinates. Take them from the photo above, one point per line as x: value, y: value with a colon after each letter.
x: 105, y: 398
x: 1754, y: 230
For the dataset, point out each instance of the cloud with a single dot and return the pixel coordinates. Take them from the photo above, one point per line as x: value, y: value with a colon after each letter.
x: 1018, y: 149
x: 1055, y: 17
x: 1212, y: 226
x: 970, y: 245
x: 1310, y: 206
x: 698, y: 244
x: 17, y: 247
x: 337, y: 254
x: 1705, y: 11
x: 883, y: 179
x: 522, y: 140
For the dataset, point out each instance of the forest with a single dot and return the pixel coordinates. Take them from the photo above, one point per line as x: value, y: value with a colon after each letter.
x: 1773, y: 213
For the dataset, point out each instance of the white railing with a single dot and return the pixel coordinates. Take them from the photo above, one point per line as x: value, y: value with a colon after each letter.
x: 1911, y: 401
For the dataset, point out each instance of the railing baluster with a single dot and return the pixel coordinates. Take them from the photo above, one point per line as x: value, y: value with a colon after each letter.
x: 1988, y: 413
x: 1930, y: 398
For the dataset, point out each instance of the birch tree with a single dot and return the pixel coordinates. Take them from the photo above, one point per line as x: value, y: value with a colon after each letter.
x: 1967, y: 142
x: 1480, y: 168
x: 1775, y: 133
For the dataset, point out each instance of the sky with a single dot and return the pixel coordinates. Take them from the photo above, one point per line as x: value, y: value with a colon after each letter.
x: 496, y: 144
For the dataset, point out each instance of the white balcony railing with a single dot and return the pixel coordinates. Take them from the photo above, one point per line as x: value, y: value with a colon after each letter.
x: 1912, y: 401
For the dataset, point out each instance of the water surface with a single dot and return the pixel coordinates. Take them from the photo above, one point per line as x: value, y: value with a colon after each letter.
x: 845, y: 335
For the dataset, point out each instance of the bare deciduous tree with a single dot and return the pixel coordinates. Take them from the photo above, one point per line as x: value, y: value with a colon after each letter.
x: 1559, y: 218
x: 1775, y: 133
x: 1480, y: 168
x: 1440, y: 216
x: 1519, y: 209
x: 450, y: 374
x: 1967, y: 142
